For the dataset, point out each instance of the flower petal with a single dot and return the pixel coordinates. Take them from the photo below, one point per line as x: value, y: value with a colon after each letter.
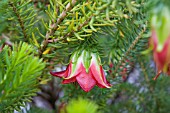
x: 86, y: 80
x: 66, y: 81
x: 161, y: 57
x: 103, y: 76
x: 167, y: 49
x: 62, y: 73
x: 59, y: 74
x: 76, y: 67
x: 154, y: 40
x: 99, y: 75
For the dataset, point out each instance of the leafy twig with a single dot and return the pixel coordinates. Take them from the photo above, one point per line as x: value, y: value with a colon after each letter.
x: 130, y: 49
x: 72, y: 32
x: 55, y: 26
x: 20, y: 21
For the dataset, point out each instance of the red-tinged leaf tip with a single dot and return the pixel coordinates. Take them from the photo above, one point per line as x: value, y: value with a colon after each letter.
x: 124, y: 77
x: 111, y: 65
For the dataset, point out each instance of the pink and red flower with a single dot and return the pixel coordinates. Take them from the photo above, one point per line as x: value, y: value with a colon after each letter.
x: 161, y: 56
x: 85, y: 68
x: 160, y: 39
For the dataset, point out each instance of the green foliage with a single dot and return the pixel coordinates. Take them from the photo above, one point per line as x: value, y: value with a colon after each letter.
x: 84, y: 21
x: 94, y: 94
x: 21, y: 16
x: 3, y: 17
x: 38, y: 110
x: 54, y: 29
x: 147, y: 96
x: 19, y: 69
x: 81, y: 106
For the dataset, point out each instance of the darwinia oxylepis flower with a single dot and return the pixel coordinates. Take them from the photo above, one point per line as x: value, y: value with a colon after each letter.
x: 160, y: 39
x: 84, y: 68
x: 162, y: 56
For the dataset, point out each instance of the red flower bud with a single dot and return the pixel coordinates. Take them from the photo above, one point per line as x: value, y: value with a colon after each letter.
x: 111, y: 65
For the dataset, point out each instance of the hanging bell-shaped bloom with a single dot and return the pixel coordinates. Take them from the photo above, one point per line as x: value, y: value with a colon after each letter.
x: 84, y: 68
x: 161, y: 56
x: 160, y: 39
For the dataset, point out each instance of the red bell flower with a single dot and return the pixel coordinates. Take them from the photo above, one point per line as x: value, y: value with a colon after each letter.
x: 85, y: 68
x: 161, y: 56
x: 160, y: 39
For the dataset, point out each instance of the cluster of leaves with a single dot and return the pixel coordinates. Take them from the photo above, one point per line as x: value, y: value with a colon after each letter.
x: 19, y: 69
x: 21, y: 18
x: 3, y: 18
x: 83, y: 20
